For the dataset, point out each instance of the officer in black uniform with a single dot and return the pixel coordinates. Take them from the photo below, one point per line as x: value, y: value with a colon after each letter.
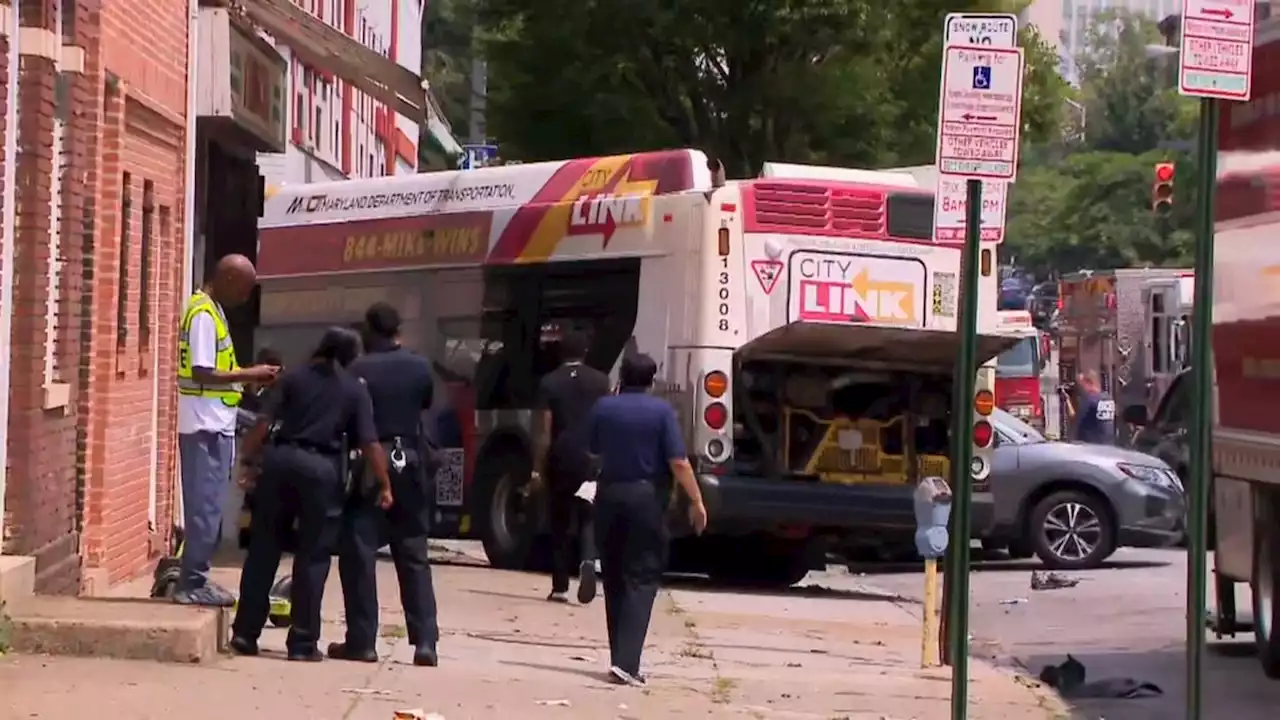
x: 565, y: 398
x: 317, y: 410
x: 401, y: 385
x: 636, y: 440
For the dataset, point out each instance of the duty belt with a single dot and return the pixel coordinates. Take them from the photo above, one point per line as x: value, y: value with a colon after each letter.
x: 396, y: 456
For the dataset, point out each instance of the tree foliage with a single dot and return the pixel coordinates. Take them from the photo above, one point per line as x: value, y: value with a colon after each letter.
x: 841, y: 82
x: 1085, y: 199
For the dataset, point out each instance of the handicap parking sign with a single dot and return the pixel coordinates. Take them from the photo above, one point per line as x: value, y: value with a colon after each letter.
x: 982, y: 77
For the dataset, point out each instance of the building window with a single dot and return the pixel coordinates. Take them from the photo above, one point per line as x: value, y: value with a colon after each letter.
x: 315, y: 129
x: 370, y: 163
x: 122, y: 285
x: 144, y: 262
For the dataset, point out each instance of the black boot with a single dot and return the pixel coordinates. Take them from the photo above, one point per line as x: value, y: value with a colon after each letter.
x: 342, y: 651
x: 424, y: 656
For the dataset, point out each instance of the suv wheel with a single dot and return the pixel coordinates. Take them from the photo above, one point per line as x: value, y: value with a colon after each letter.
x: 1072, y: 530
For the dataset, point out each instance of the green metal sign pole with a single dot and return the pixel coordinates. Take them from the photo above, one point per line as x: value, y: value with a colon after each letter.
x: 1202, y: 405
x: 962, y: 455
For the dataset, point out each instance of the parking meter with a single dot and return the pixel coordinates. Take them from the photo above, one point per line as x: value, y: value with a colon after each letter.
x: 932, y: 500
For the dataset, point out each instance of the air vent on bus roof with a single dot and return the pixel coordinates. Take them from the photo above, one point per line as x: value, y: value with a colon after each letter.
x: 795, y: 206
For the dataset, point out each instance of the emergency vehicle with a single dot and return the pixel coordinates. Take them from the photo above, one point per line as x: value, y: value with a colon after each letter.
x: 1129, y: 325
x: 1020, y: 369
x: 803, y: 322
x: 1246, y: 357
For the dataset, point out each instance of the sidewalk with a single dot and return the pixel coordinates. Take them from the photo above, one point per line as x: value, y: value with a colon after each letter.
x: 506, y: 652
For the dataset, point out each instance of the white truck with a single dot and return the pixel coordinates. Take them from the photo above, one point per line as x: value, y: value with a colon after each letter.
x: 803, y: 321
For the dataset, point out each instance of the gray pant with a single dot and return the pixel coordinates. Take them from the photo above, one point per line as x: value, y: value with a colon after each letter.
x: 207, y: 459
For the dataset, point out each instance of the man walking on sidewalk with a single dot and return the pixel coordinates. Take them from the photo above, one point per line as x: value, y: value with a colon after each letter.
x: 565, y: 397
x: 210, y: 384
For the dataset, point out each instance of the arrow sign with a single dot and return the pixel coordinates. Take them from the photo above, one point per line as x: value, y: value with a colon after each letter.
x: 1216, y: 58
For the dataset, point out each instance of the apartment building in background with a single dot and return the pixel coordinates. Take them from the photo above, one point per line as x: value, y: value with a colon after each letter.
x: 1065, y: 23
x: 337, y: 132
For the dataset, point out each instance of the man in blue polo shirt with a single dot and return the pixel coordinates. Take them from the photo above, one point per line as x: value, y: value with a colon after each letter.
x: 1095, y: 416
x: 635, y: 438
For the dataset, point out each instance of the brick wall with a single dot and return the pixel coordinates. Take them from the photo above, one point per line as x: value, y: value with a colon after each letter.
x: 136, y: 277
x: 82, y: 425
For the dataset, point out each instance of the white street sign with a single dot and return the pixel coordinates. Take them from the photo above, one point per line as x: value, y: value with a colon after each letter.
x: 949, y: 210
x: 981, y: 113
x: 1217, y: 49
x: 999, y: 30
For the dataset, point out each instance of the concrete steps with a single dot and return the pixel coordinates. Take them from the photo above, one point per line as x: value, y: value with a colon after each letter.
x: 126, y: 628
x: 132, y: 629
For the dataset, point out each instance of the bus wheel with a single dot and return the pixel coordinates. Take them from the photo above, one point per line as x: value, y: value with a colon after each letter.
x: 1266, y: 578
x: 507, y: 518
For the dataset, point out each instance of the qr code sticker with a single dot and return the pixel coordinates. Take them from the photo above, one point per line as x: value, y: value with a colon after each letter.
x: 944, y: 294
x: 449, y: 478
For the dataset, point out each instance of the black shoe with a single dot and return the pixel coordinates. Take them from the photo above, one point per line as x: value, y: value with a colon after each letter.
x: 341, y: 651
x: 312, y: 655
x: 618, y: 676
x: 243, y: 646
x: 558, y: 596
x: 586, y: 582
x: 425, y: 657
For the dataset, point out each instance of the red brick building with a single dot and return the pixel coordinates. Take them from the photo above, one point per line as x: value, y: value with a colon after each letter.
x: 105, y: 173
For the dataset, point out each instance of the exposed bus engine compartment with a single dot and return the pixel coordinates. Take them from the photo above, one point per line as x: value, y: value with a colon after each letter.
x: 833, y: 423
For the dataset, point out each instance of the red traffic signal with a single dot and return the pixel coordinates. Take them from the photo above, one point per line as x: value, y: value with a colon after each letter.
x: 1162, y: 188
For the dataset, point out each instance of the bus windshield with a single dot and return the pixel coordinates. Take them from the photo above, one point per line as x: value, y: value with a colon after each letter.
x: 1019, y: 361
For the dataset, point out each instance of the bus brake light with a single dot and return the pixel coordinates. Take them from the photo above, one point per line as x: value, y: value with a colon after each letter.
x: 983, y: 434
x: 715, y: 416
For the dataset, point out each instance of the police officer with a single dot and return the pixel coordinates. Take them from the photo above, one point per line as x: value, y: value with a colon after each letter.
x: 565, y: 398
x: 636, y: 440
x: 210, y: 383
x: 316, y: 410
x: 401, y: 385
x: 1095, y: 416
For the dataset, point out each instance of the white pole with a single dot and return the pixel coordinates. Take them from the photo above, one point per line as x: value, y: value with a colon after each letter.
x: 7, y: 248
x: 189, y: 199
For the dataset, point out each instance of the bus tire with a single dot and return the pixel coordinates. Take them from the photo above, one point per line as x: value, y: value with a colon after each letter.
x: 507, y: 525
x: 1266, y: 578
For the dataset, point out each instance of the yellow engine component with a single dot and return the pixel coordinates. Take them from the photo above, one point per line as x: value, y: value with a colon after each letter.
x: 851, y: 452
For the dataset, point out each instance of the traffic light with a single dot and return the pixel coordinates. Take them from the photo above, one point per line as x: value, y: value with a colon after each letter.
x: 1162, y: 188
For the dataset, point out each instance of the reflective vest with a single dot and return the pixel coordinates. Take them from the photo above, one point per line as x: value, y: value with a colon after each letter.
x: 225, y: 360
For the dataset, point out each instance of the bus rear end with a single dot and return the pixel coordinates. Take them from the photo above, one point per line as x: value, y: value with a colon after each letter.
x: 823, y: 358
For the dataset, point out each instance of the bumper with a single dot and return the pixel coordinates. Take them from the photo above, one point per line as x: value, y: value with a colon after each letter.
x: 745, y: 503
x: 1151, y: 516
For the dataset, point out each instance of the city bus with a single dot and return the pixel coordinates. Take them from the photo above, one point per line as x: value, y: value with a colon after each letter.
x: 803, y: 323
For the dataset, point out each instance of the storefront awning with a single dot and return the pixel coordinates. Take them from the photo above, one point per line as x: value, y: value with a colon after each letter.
x: 325, y: 48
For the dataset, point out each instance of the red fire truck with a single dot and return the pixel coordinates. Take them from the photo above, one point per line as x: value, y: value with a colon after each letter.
x: 1019, y: 370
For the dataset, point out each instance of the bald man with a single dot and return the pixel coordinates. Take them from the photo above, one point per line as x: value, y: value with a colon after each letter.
x: 210, y: 383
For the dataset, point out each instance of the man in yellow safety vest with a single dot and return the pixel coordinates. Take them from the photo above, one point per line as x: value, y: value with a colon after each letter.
x: 209, y: 388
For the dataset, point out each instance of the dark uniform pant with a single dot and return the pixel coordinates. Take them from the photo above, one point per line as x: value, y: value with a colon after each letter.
x: 631, y: 532
x: 404, y: 527
x: 306, y: 484
x: 569, y: 516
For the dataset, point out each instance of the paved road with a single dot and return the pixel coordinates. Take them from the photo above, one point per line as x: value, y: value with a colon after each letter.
x: 1124, y: 621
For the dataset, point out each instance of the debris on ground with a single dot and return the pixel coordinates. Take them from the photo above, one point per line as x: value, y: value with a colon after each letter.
x: 1013, y: 601
x: 1052, y: 581
x: 554, y: 703
x: 1068, y: 678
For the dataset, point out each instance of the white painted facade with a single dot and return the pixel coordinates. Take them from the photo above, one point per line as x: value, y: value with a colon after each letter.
x: 321, y: 134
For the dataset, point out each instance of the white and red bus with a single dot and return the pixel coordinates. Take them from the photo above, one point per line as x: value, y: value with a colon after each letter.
x: 1019, y: 369
x: 803, y: 323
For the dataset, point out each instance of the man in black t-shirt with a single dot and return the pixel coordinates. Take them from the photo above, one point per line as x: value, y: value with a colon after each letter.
x: 565, y: 398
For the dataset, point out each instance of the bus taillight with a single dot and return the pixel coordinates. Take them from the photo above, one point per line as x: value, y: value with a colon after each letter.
x: 715, y: 384
x: 715, y: 416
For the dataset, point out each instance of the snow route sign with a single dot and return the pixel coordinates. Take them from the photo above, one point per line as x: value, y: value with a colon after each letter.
x: 1217, y: 49
x: 981, y: 112
x: 984, y: 29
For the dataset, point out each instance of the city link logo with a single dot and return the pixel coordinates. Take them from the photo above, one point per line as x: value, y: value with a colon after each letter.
x: 428, y: 200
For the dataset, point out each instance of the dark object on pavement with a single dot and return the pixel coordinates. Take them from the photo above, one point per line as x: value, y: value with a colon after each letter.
x: 1069, y: 680
x: 1051, y: 581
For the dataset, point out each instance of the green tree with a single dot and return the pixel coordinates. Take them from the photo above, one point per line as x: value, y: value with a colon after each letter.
x: 846, y: 82
x: 448, y: 50
x: 1127, y: 86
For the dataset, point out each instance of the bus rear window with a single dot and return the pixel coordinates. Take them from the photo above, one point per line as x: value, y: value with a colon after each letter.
x: 910, y: 216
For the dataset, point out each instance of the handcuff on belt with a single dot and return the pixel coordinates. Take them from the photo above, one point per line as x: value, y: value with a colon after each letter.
x: 399, y: 460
